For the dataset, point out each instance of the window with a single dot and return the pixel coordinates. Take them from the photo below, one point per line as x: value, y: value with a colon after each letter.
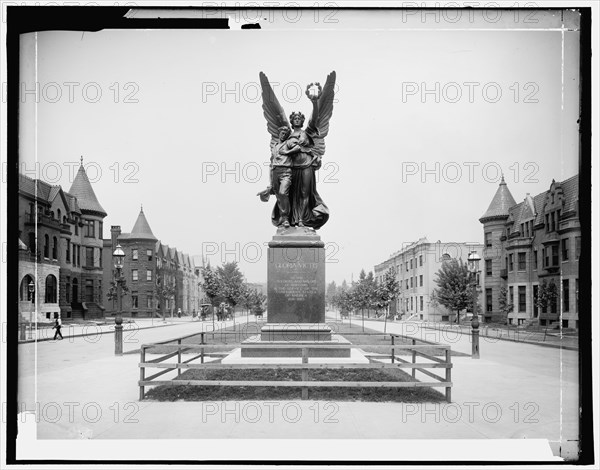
x: 50, y: 289
x: 89, y: 257
x: 488, y: 239
x: 547, y: 223
x: 565, y: 249
x: 134, y: 299
x: 565, y: 295
x: 535, y: 259
x: 522, y: 298
x: 54, y: 248
x: 99, y: 257
x: 577, y: 247
x: 488, y: 267
x: 554, y: 256
x: 99, y: 291
x: 420, y: 260
x: 148, y: 274
x: 411, y: 304
x: 511, y: 296
x: 411, y: 263
x: 522, y: 230
x: 89, y: 290
x: 58, y: 213
x: 510, y: 262
x: 149, y: 297
x: 90, y: 226
x: 149, y: 253
x: 535, y: 299
x: 521, y: 261
x: 421, y: 303
x: 134, y: 254
x: 100, y: 230
x: 32, y: 246
x: 407, y: 266
x: 68, y: 255
x: 411, y: 282
x: 488, y: 299
x: 421, y: 280
x: 76, y: 226
x: 24, y: 293
x: 78, y: 255
x: 407, y: 283
x: 46, y: 246
x: 134, y: 274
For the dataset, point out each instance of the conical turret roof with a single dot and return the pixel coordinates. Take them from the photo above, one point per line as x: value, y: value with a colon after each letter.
x: 141, y: 229
x: 502, y: 202
x: 82, y: 190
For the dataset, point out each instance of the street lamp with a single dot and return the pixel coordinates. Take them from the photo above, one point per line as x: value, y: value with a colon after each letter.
x: 119, y: 256
x: 473, y: 266
x: 31, y: 287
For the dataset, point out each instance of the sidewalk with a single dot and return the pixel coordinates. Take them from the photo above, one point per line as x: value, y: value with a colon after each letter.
x: 45, y: 332
x: 514, y: 391
x: 552, y: 338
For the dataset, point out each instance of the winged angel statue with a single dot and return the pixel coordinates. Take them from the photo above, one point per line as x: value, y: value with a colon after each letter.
x: 296, y: 154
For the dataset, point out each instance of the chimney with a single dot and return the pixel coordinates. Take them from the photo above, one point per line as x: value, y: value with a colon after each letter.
x: 115, y: 231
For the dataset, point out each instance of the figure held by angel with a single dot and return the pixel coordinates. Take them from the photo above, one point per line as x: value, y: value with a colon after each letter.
x: 296, y: 154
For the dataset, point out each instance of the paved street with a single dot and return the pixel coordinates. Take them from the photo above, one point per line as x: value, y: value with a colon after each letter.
x: 514, y: 391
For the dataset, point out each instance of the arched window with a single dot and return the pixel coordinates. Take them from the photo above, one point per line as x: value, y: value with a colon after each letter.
x: 51, y: 289
x: 58, y: 214
x: 54, y: 248
x: 46, y: 246
x: 24, y: 291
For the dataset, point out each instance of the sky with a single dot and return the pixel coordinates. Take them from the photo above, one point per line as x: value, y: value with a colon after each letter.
x: 427, y: 115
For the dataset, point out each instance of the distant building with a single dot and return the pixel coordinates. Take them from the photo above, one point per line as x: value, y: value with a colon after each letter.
x: 416, y: 266
x: 529, y: 247
x: 151, y: 268
x: 60, y: 244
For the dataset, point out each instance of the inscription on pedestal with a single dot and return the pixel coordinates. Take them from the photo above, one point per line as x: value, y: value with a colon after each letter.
x: 296, y: 285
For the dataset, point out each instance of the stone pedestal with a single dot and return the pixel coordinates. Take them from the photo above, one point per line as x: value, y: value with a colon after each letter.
x: 295, y: 297
x: 296, y: 277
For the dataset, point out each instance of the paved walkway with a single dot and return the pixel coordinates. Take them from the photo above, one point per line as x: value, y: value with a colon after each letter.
x: 514, y: 391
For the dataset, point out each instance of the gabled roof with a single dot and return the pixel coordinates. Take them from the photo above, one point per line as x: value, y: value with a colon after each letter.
x: 141, y: 229
x: 82, y: 190
x: 570, y: 189
x: 500, y: 205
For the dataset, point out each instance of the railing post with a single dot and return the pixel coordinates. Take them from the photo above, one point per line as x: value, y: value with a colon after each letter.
x: 305, y: 373
x: 142, y: 370
x: 449, y: 375
x: 178, y: 357
x: 202, y: 350
x: 393, y: 350
x: 414, y: 358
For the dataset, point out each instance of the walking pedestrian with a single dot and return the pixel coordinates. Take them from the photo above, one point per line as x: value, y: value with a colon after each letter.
x: 58, y: 326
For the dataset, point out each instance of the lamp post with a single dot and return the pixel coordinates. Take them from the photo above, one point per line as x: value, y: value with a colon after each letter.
x: 118, y: 256
x: 31, y: 287
x: 473, y: 266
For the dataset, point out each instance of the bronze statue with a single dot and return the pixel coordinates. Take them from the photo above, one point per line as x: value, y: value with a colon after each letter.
x: 296, y: 154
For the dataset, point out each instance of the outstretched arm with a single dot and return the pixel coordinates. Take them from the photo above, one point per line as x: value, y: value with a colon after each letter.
x: 314, y: 118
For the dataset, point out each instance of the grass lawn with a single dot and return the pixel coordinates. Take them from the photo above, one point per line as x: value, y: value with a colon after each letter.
x: 231, y: 338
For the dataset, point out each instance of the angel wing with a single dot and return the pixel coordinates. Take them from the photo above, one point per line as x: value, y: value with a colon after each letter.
x: 272, y: 110
x: 325, y: 105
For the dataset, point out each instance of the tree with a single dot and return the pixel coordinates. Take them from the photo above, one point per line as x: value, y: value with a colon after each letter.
x: 231, y: 282
x: 455, y: 289
x: 505, y: 306
x: 166, y: 288
x: 210, y: 284
x: 331, y: 292
x: 386, y: 292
